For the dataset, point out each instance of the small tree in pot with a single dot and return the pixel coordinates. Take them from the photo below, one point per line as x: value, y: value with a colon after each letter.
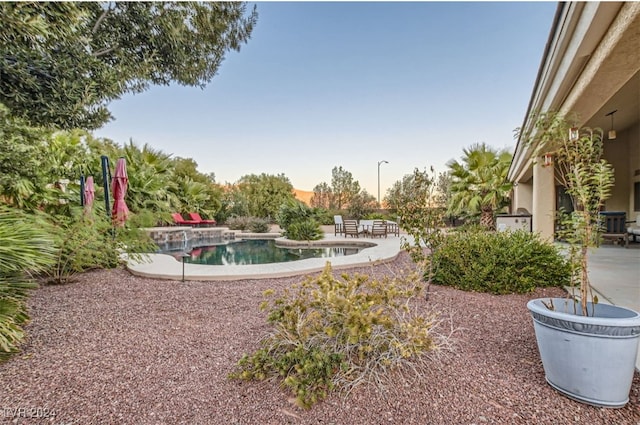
x: 588, y: 350
x: 577, y: 157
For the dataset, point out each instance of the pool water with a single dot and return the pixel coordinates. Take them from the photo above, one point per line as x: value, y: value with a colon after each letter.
x: 259, y: 252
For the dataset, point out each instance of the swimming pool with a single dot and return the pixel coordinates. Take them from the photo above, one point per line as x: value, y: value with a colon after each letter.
x: 259, y: 251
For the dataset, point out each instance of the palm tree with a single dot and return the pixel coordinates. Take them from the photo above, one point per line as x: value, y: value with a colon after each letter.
x: 24, y: 248
x: 479, y: 184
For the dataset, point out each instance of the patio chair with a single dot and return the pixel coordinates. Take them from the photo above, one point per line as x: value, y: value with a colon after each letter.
x: 393, y: 228
x: 634, y: 229
x: 614, y: 224
x: 351, y: 228
x: 378, y: 229
x: 200, y: 220
x: 338, y: 225
x: 177, y: 218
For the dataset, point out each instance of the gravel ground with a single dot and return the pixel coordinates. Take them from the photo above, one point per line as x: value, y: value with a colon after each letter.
x: 117, y: 349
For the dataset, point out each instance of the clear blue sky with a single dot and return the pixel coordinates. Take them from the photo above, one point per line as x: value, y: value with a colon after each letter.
x: 331, y: 84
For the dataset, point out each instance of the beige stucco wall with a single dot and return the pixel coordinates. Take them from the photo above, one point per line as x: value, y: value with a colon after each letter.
x: 523, y: 197
x: 543, y: 207
x: 624, y: 154
x: 616, y: 152
x: 634, y: 166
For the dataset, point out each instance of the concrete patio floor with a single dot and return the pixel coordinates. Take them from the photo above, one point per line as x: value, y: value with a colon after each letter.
x: 614, y: 273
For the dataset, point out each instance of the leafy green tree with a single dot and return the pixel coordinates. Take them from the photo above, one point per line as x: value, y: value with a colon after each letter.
x: 198, y: 192
x: 421, y: 217
x: 265, y: 193
x: 322, y: 195
x: 361, y: 205
x: 343, y: 186
x: 61, y: 63
x: 22, y: 180
x: 479, y: 183
x: 151, y: 183
x: 399, y: 192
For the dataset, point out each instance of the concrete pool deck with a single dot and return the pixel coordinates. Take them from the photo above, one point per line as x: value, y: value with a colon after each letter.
x: 378, y: 250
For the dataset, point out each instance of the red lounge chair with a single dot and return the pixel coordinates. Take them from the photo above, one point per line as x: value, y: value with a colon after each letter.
x: 177, y: 218
x: 200, y: 220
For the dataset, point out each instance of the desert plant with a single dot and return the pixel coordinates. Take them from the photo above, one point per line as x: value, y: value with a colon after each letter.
x: 498, y: 263
x: 237, y: 222
x: 588, y: 179
x: 258, y: 225
x: 24, y: 249
x: 248, y: 224
x: 307, y: 230
x: 86, y: 241
x: 332, y: 333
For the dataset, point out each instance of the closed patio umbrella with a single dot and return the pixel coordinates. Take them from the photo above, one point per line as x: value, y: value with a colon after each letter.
x: 89, y: 194
x: 120, y: 212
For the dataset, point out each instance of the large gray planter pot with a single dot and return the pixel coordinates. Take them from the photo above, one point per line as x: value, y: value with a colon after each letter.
x: 589, y: 359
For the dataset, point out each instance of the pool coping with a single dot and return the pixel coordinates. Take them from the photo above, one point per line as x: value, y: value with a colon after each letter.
x: 164, y: 266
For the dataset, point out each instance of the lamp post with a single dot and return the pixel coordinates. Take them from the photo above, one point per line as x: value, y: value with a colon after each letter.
x: 380, y: 162
x: 184, y: 256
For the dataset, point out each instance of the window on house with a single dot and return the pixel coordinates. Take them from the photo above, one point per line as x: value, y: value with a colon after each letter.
x: 563, y: 200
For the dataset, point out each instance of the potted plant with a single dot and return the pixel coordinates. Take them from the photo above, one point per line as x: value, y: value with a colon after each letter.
x: 588, y: 350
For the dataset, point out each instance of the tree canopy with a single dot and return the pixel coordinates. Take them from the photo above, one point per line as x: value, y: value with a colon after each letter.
x: 61, y: 63
x: 479, y: 183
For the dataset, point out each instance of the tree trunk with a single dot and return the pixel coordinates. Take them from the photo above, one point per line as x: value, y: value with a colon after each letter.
x: 486, y: 219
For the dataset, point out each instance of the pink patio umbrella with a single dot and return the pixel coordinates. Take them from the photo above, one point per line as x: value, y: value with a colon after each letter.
x: 119, y: 183
x: 89, y: 194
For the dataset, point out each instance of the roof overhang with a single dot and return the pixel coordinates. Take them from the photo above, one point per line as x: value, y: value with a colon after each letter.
x: 593, y: 50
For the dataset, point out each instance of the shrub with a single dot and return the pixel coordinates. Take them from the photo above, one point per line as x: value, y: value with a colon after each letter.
x: 498, y: 263
x: 298, y: 221
x: 83, y: 242
x: 24, y: 248
x: 308, y: 230
x: 332, y: 333
x: 258, y: 225
x: 248, y: 224
x: 237, y: 223
x: 325, y: 217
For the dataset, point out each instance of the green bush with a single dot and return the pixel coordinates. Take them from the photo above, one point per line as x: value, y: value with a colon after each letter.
x: 83, y: 242
x: 25, y: 248
x: 325, y: 217
x: 237, y: 223
x: 258, y: 225
x: 299, y: 221
x: 248, y: 224
x: 332, y: 333
x: 498, y: 263
x: 308, y: 230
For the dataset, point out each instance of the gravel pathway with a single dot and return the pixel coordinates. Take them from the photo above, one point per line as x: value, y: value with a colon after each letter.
x: 117, y: 349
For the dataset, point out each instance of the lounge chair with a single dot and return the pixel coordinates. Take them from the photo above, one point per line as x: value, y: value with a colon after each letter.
x: 337, y: 225
x: 200, y: 220
x: 378, y: 229
x: 177, y: 218
x: 351, y: 228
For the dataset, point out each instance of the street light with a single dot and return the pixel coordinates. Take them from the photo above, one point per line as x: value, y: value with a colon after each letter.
x: 380, y: 162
